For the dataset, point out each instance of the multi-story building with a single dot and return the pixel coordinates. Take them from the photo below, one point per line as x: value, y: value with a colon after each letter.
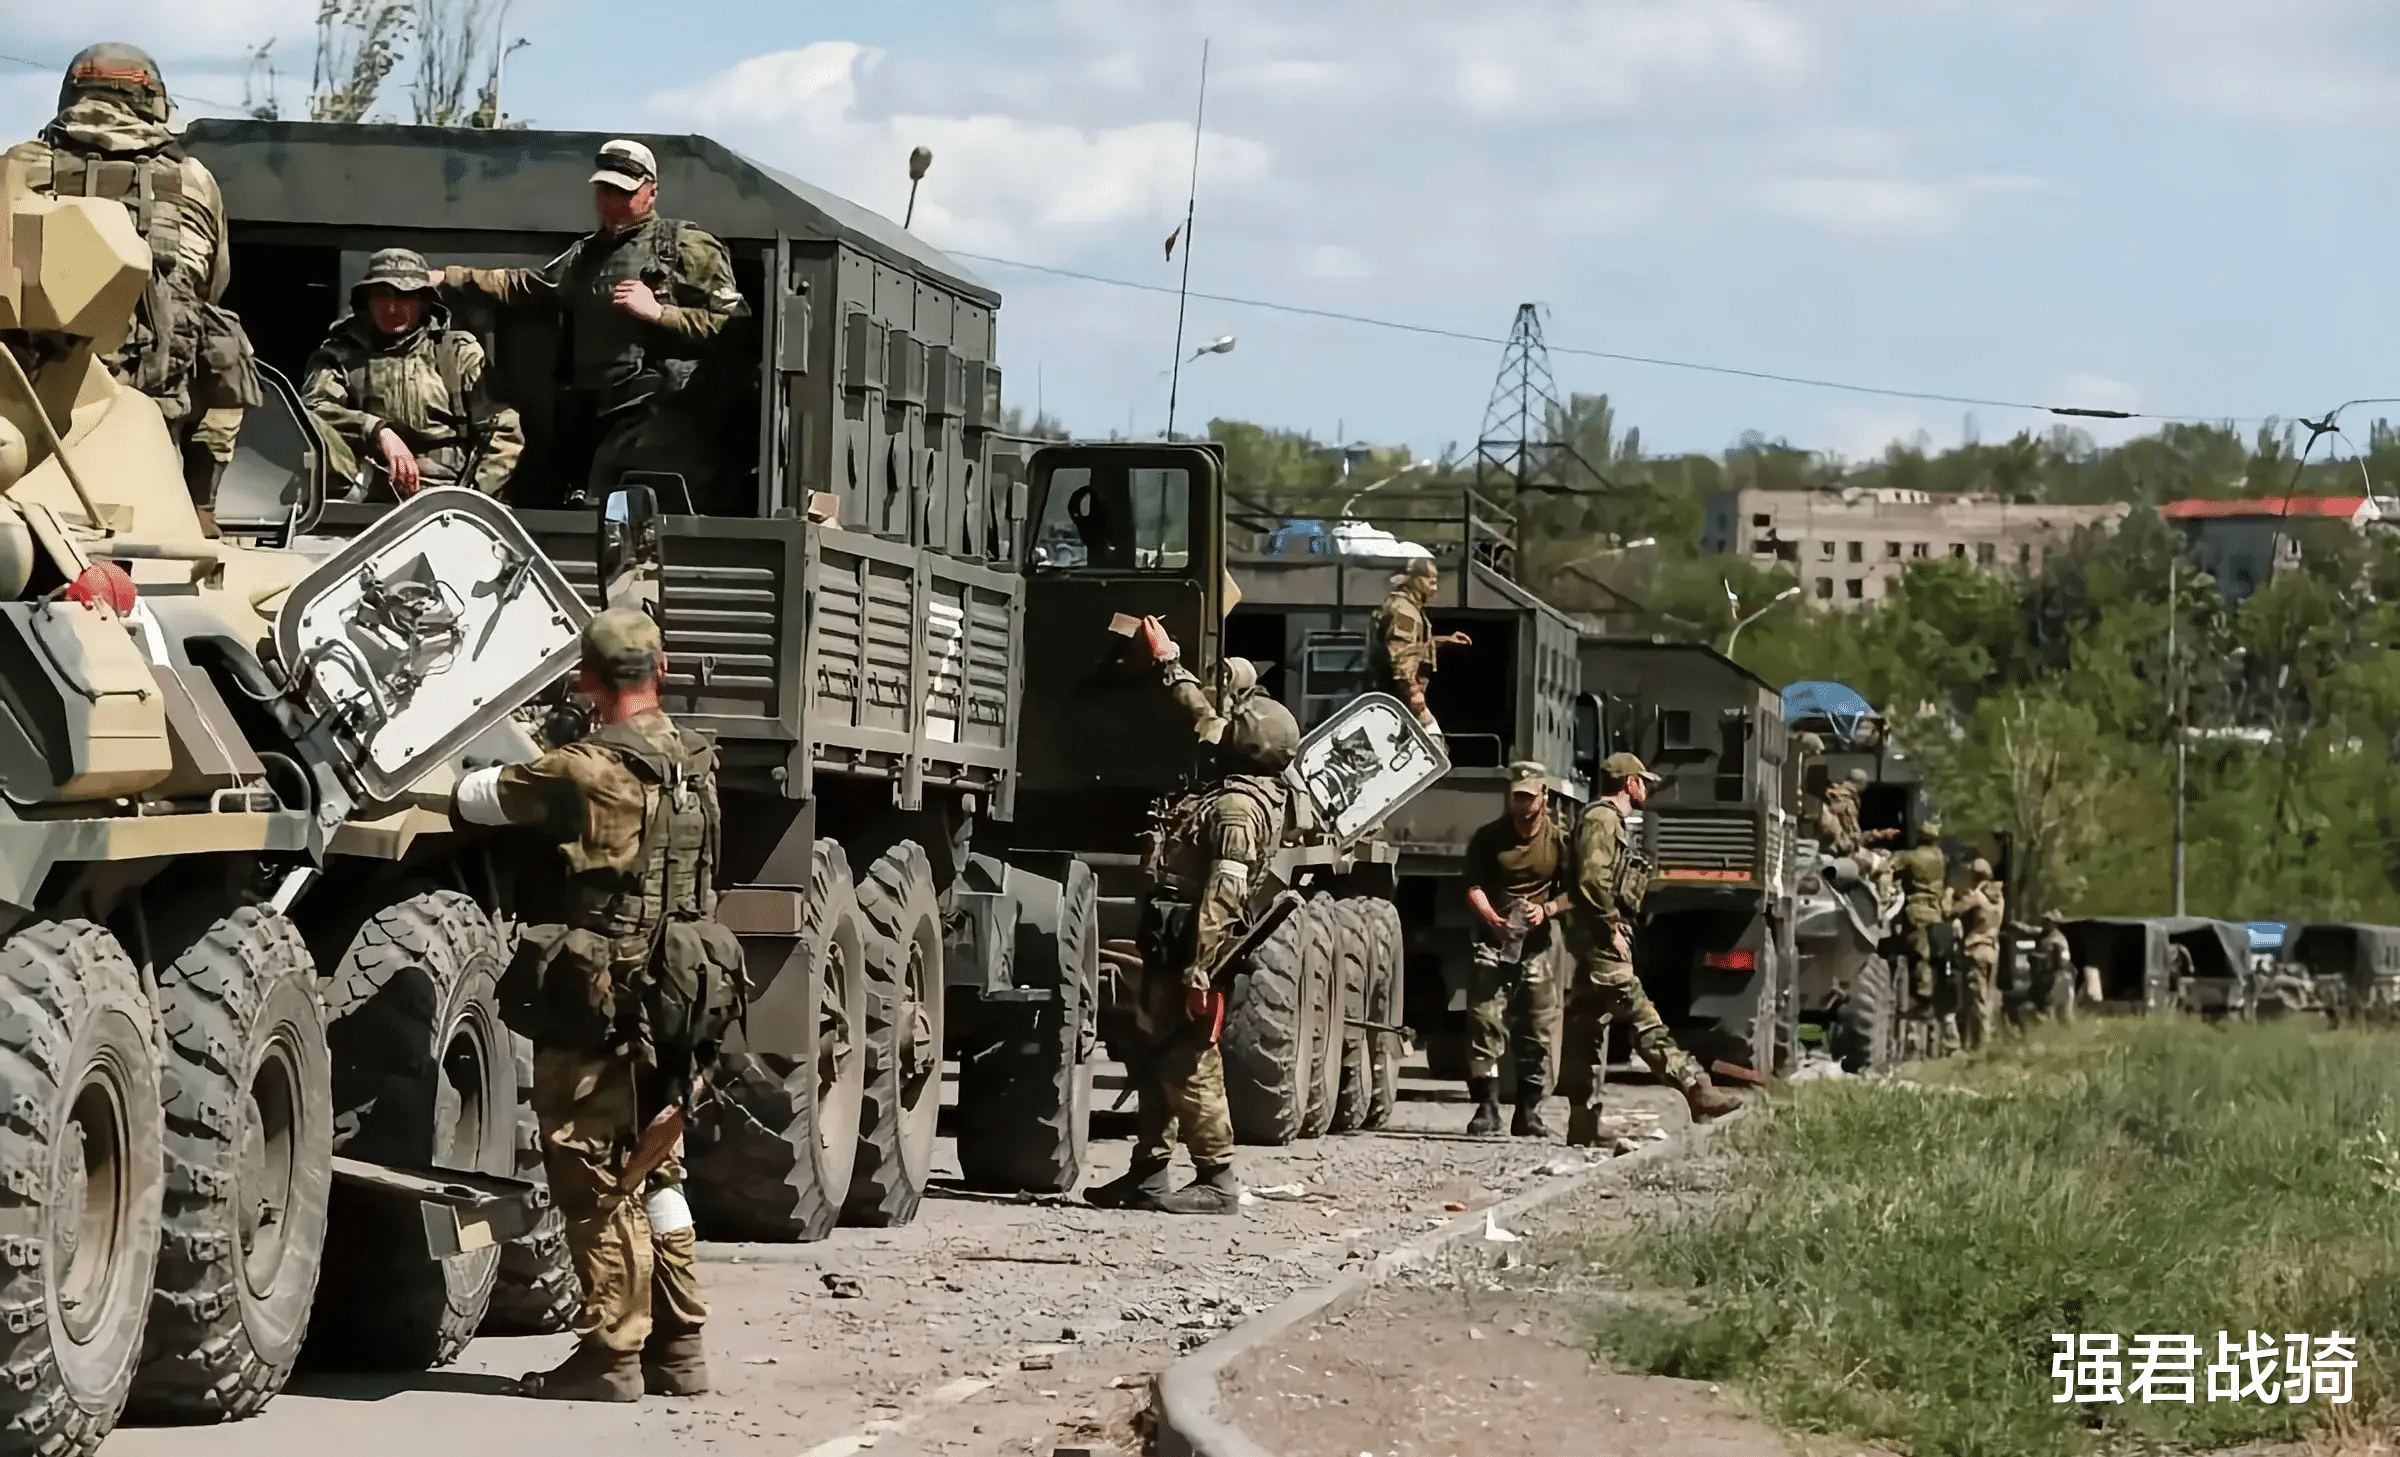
x: 2244, y: 542
x: 1848, y: 546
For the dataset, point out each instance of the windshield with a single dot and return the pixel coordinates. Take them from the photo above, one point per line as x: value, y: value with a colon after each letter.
x: 1115, y: 520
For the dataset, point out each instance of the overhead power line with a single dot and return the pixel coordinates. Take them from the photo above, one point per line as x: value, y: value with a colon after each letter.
x: 1465, y: 336
x: 34, y: 65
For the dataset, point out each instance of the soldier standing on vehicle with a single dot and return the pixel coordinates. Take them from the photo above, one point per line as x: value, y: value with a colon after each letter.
x: 1610, y: 879
x: 1516, y: 882
x: 622, y: 983
x: 110, y: 139
x: 1212, y: 851
x: 645, y: 298
x: 1923, y: 875
x: 401, y: 393
x: 1982, y: 910
x: 1838, y: 823
x: 1404, y: 644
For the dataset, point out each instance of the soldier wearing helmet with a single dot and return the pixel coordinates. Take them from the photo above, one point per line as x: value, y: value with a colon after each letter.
x: 1211, y: 855
x: 1981, y: 909
x: 111, y: 139
x: 401, y: 394
x: 1404, y: 644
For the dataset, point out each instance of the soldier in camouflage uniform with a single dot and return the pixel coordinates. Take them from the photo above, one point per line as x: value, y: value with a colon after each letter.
x: 1611, y: 877
x: 646, y: 298
x: 1981, y: 910
x: 395, y: 385
x: 1403, y: 643
x: 1213, y: 853
x: 110, y: 139
x: 633, y: 811
x: 1516, y: 874
x: 2054, y: 985
x: 1923, y: 875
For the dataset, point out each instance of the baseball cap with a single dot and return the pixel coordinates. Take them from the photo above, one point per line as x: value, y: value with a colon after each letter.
x: 1526, y: 775
x: 1618, y: 767
x: 622, y: 645
x: 625, y: 165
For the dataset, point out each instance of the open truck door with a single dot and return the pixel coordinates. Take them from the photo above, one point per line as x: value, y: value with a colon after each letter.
x: 1136, y: 530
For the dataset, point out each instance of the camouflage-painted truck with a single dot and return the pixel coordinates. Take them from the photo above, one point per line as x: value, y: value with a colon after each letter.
x: 939, y: 762
x: 257, y: 1088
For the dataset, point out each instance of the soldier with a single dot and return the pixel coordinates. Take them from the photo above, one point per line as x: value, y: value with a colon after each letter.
x: 1981, y: 911
x: 1214, y: 849
x: 633, y: 811
x: 1605, y: 898
x: 2054, y: 993
x: 1923, y: 874
x: 401, y: 393
x: 110, y: 138
x: 645, y: 298
x: 1516, y: 877
x: 1404, y: 644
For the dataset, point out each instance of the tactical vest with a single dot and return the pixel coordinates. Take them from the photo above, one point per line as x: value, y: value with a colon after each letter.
x: 1632, y: 879
x: 467, y: 412
x: 679, y: 843
x: 614, y: 354
x: 1181, y: 857
x: 157, y: 355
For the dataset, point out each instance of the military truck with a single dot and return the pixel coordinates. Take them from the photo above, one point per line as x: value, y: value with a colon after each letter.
x: 939, y: 760
x: 1309, y: 590
x: 2345, y: 971
x: 1715, y: 948
x: 259, y: 1091
x: 2152, y: 963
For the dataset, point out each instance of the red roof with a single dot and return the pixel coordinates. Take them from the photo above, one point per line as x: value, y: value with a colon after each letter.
x: 2340, y: 508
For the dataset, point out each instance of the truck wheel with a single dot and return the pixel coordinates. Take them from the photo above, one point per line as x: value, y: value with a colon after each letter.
x: 1353, y: 968
x: 772, y: 1155
x: 1025, y: 1099
x: 423, y: 1073
x: 83, y: 1140
x: 902, y: 1104
x: 1267, y: 1035
x: 1324, y: 1082
x: 1864, y: 1028
x: 536, y: 1292
x: 1386, y: 983
x: 249, y: 1138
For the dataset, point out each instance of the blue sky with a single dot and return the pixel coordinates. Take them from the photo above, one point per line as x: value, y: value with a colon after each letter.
x: 2162, y: 205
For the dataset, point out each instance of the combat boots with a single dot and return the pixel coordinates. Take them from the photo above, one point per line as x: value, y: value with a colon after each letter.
x: 1706, y: 1100
x: 1213, y: 1191
x: 1528, y: 1122
x: 590, y: 1373
x: 1140, y: 1187
x: 675, y: 1365
x: 1486, y: 1093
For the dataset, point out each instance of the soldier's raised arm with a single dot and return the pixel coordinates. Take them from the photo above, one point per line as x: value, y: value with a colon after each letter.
x: 1182, y: 684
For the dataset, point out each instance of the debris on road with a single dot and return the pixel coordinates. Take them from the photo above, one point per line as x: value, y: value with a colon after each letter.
x: 843, y: 1287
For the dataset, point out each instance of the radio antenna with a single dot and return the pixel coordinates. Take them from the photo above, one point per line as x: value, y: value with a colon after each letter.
x: 1183, y: 290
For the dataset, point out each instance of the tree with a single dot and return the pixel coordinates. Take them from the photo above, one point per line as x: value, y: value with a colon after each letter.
x: 460, y: 43
x: 358, y: 44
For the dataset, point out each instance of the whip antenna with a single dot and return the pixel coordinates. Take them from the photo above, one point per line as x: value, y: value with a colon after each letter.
x: 1183, y: 290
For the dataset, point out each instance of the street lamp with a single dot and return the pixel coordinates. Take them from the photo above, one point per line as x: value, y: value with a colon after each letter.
x: 1223, y: 345
x: 1791, y: 591
x: 920, y: 160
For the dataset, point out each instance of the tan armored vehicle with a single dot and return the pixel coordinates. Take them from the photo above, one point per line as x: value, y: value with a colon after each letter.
x: 233, y: 1099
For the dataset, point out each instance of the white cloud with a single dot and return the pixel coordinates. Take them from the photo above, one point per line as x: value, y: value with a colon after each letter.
x: 1886, y: 208
x: 2305, y: 63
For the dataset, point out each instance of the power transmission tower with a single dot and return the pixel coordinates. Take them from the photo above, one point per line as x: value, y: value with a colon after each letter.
x: 1521, y: 425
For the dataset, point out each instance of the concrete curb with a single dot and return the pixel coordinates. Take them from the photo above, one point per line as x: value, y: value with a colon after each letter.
x: 1187, y: 1390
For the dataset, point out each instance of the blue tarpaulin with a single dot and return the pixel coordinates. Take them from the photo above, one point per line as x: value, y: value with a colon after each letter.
x: 1840, y: 708
x: 2265, y: 935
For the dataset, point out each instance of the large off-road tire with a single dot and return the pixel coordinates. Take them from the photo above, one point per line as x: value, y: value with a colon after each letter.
x: 1267, y: 1042
x: 249, y: 1140
x: 902, y: 1102
x: 536, y: 1292
x: 1353, y: 973
x: 775, y: 1144
x: 1865, y: 1032
x: 1324, y: 1016
x: 424, y: 1073
x: 1025, y: 1099
x: 1387, y: 983
x: 82, y: 1140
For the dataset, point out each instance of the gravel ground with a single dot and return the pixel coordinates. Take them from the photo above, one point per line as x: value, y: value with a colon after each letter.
x: 988, y: 1326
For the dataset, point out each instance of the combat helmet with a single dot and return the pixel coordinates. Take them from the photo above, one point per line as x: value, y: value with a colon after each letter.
x: 119, y: 70
x: 1263, y: 737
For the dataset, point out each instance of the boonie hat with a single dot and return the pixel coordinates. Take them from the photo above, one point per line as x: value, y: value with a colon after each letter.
x: 402, y: 270
x: 625, y: 165
x: 1617, y: 768
x: 1527, y: 775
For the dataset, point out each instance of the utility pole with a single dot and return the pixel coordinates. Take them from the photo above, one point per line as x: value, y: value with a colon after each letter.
x: 1521, y: 423
x: 2175, y: 716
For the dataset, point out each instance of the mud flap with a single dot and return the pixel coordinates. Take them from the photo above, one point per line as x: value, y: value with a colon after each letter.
x: 1365, y: 761
x: 422, y: 633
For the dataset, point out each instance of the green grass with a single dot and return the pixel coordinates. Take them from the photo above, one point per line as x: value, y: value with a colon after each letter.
x: 1896, y: 1260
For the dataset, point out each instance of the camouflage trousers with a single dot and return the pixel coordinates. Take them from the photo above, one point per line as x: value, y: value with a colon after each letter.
x: 1602, y: 990
x: 1979, y: 997
x: 656, y: 438
x: 634, y: 1279
x: 1512, y: 1009
x: 1180, y: 1081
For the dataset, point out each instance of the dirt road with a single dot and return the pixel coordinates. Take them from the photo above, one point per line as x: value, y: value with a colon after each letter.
x: 985, y: 1327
